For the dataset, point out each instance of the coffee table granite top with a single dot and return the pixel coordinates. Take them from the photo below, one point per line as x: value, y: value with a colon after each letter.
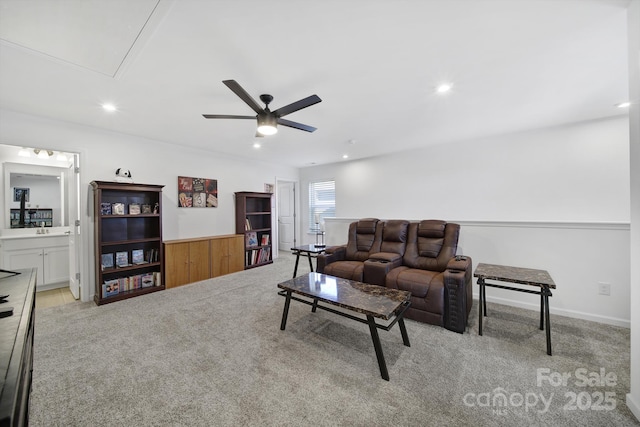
x: 525, y: 276
x: 371, y: 300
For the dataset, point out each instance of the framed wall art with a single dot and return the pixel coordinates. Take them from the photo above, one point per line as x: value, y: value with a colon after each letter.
x: 197, y: 192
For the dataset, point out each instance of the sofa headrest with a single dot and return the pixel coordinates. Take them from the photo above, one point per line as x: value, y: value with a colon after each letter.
x: 432, y: 228
x: 366, y: 226
x: 395, y: 231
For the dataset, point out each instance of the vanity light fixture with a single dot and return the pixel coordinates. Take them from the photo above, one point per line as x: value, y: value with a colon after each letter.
x: 625, y: 104
x: 42, y: 154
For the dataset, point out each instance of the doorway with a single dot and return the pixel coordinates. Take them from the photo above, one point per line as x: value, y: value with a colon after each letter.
x: 286, y: 203
x: 25, y: 160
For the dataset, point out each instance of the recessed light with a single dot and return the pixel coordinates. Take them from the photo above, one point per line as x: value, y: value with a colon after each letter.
x: 345, y: 156
x: 109, y: 107
x: 256, y: 145
x: 24, y: 153
x: 444, y: 88
x: 623, y: 104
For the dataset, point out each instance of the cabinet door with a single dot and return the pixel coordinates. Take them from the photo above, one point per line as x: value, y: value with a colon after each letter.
x: 176, y: 262
x: 199, y: 261
x: 236, y: 253
x: 26, y: 258
x: 56, y: 265
x: 219, y: 257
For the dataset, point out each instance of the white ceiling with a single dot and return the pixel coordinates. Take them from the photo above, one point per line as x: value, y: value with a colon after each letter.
x: 515, y: 65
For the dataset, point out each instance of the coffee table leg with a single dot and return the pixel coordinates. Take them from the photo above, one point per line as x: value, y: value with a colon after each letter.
x: 546, y: 293
x: 378, y: 347
x: 314, y: 305
x: 403, y: 331
x: 285, y: 312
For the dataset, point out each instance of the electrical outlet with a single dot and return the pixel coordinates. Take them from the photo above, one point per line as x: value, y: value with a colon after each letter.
x: 604, y: 288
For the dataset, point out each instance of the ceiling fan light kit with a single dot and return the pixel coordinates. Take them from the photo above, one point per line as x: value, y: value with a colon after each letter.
x: 267, y: 120
x: 267, y: 124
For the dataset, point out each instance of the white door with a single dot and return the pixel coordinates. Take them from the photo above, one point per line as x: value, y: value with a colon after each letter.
x: 73, y: 183
x: 286, y: 215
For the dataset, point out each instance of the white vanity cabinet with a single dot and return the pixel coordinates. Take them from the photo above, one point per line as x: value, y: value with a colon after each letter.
x: 49, y: 254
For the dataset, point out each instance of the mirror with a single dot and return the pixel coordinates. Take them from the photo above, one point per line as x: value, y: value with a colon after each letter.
x: 35, y: 196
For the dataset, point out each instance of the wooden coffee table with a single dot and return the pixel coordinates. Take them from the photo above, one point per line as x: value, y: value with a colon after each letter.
x: 370, y: 300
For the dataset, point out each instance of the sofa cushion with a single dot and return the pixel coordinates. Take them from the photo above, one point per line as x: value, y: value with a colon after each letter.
x: 352, y: 270
x: 411, y: 279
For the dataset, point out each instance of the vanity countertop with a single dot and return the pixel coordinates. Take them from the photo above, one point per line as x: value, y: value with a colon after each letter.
x: 32, y: 234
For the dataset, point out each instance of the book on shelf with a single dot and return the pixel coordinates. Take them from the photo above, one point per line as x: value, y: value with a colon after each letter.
x: 157, y: 278
x: 137, y: 257
x: 118, y: 208
x: 110, y: 288
x: 122, y: 259
x: 247, y: 224
x: 251, y: 238
x: 134, y: 209
x: 105, y: 208
x: 265, y: 239
x: 107, y: 261
x: 146, y: 280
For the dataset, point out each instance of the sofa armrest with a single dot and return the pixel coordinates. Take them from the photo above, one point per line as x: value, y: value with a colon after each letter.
x: 331, y: 254
x: 379, y: 265
x: 457, y: 293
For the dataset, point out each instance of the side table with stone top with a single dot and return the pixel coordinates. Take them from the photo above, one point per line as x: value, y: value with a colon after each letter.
x: 519, y: 275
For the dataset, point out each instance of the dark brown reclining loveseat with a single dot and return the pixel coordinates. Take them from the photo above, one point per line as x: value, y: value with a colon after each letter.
x: 419, y: 257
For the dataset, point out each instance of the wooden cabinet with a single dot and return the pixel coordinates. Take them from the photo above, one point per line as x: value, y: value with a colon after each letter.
x: 186, y: 262
x: 226, y: 254
x: 253, y: 220
x: 128, y: 240
x: 192, y: 260
x: 48, y: 255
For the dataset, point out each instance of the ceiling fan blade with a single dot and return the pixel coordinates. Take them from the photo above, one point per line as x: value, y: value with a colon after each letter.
x: 226, y: 116
x: 298, y: 105
x: 296, y: 125
x: 238, y: 90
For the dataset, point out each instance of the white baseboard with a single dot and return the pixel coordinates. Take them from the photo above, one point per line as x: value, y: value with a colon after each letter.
x: 625, y: 323
x: 633, y: 406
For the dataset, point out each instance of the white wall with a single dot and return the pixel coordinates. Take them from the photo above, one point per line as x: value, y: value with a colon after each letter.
x: 555, y: 199
x: 633, y: 398
x: 150, y: 162
x: 571, y: 173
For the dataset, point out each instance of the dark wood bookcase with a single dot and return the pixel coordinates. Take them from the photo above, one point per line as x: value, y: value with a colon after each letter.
x: 253, y: 220
x: 128, y: 232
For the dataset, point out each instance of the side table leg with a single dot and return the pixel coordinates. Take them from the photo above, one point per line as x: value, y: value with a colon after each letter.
x: 542, y: 309
x: 480, y: 305
x: 310, y: 264
x: 547, y: 293
x: 295, y: 269
x: 285, y: 312
x: 378, y: 347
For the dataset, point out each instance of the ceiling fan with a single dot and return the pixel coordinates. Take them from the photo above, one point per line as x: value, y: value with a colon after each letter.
x: 267, y: 119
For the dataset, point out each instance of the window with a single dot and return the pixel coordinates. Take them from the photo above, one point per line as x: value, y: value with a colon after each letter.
x: 322, y: 202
